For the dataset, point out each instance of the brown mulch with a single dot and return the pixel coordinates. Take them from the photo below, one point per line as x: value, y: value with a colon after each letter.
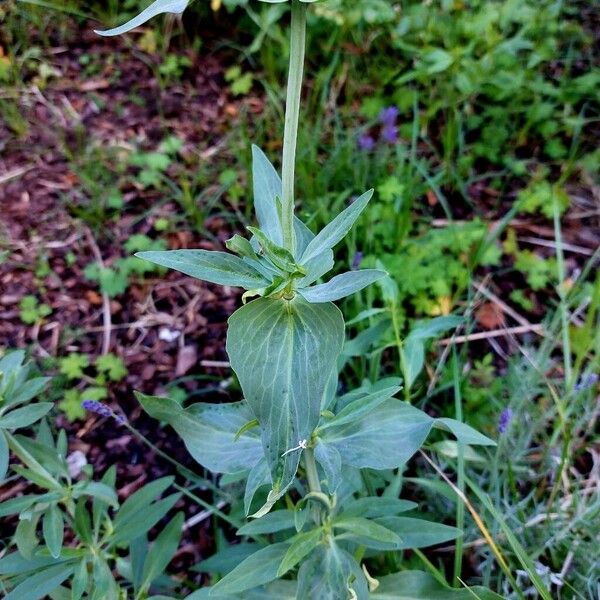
x: 163, y: 327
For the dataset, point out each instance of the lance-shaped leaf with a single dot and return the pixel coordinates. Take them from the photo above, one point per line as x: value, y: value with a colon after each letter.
x: 342, y: 285
x: 267, y: 188
x: 330, y: 573
x: 215, y: 267
x: 156, y: 8
x: 385, y: 438
x: 209, y: 432
x: 258, y: 569
x: 335, y: 231
x: 283, y: 353
x: 416, y: 585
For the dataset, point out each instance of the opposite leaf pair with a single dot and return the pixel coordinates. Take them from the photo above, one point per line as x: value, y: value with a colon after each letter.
x: 263, y: 266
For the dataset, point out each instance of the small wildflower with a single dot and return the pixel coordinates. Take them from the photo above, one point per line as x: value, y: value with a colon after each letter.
x: 366, y: 142
x: 390, y: 134
x: 356, y: 260
x: 504, y: 420
x: 101, y: 409
x: 586, y: 382
x: 388, y: 116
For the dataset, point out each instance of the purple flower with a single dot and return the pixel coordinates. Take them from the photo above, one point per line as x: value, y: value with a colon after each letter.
x: 586, y: 382
x: 388, y: 116
x: 504, y: 421
x: 366, y: 142
x: 356, y: 260
x: 101, y: 409
x: 390, y: 134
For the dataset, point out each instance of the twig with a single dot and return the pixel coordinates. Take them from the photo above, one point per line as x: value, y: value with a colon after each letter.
x: 505, y: 307
x: 106, y: 316
x: 564, y: 245
x: 482, y: 335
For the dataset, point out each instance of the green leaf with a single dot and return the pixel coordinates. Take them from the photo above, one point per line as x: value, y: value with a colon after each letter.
x: 25, y: 535
x: 73, y: 365
x: 209, y: 430
x: 40, y: 584
x: 258, y: 569
x: 156, y: 8
x: 365, y: 528
x: 80, y: 579
x: 301, y: 545
x: 414, y: 345
x: 215, y: 267
x: 53, y: 528
x: 372, y: 507
x: 275, y: 521
x: 162, y: 550
x: 97, y: 490
x: 385, y: 438
x: 463, y: 432
x: 283, y: 353
x: 342, y: 285
x: 28, y: 390
x: 259, y: 475
x: 329, y: 574
x: 337, y: 229
x: 331, y: 463
x: 225, y: 560
x: 416, y: 585
x: 112, y: 365
x: 279, y: 256
x: 267, y: 188
x: 416, y: 533
x: 25, y: 416
x: 83, y: 524
x: 355, y: 410
x: 4, y: 454
x: 315, y: 268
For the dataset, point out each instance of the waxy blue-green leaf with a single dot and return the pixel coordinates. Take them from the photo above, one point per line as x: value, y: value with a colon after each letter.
x: 331, y: 463
x: 315, y: 268
x: 372, y: 507
x: 415, y: 533
x: 208, y: 432
x: 337, y: 229
x: 283, y: 353
x: 162, y: 550
x: 53, y: 528
x: 25, y: 416
x: 258, y: 569
x: 215, y: 267
x: 330, y: 573
x: 463, y: 432
x: 267, y: 188
x: 385, y: 438
x: 300, y: 545
x: 156, y: 8
x: 416, y: 585
x: 414, y: 345
x: 365, y: 528
x: 259, y: 475
x: 4, y: 456
x: 41, y: 584
x: 356, y: 409
x: 342, y: 285
x: 275, y: 521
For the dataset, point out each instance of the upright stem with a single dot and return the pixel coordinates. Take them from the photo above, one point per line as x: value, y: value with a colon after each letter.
x: 311, y: 470
x: 292, y: 112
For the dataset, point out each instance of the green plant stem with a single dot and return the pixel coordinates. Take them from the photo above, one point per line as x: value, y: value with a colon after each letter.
x: 560, y: 264
x: 311, y: 470
x: 460, y: 464
x: 292, y: 113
